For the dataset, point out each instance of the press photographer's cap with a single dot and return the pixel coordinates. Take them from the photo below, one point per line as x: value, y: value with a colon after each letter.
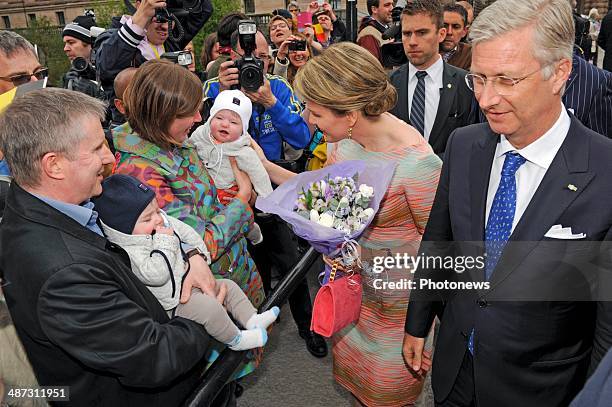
x: 236, y: 101
x: 122, y: 201
x: 80, y: 29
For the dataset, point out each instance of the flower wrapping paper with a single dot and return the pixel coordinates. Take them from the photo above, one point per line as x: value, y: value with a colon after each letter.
x: 327, y: 240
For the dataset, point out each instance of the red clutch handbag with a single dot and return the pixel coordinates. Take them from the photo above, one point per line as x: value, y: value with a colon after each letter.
x: 337, y: 304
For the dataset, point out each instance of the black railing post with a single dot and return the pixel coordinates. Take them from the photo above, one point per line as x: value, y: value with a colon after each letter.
x: 351, y: 20
x: 228, y: 361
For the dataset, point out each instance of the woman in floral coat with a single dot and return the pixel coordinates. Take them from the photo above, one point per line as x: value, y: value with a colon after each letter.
x: 162, y: 104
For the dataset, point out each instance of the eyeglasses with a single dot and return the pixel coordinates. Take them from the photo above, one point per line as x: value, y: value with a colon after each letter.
x: 503, y: 85
x: 278, y: 26
x: 294, y: 10
x: 26, y: 77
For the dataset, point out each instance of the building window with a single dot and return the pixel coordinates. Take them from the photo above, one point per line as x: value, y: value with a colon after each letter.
x: 32, y: 17
x: 335, y: 4
x: 7, y: 21
x: 60, y: 18
x: 249, y: 6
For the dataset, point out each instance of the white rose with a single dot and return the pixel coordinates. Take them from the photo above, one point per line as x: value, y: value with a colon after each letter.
x: 344, y: 202
x: 326, y: 220
x: 314, y: 215
x: 367, y: 213
x: 366, y: 191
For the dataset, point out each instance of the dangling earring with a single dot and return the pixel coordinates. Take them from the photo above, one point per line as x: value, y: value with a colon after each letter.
x: 350, y: 133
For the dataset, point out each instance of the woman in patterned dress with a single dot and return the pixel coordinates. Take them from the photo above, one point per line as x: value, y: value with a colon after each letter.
x: 162, y: 104
x: 348, y: 95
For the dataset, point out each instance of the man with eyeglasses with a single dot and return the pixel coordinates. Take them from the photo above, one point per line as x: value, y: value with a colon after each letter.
x: 276, y: 119
x: 432, y: 94
x: 18, y: 65
x: 529, y: 191
x: 18, y: 62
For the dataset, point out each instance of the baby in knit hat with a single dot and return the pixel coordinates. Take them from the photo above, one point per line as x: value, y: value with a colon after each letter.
x: 224, y: 135
x: 131, y: 218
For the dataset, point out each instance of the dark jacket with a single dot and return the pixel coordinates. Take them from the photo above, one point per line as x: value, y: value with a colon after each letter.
x: 85, y: 319
x: 605, y: 40
x: 534, y: 352
x: 588, y: 93
x: 117, y: 48
x: 457, y: 107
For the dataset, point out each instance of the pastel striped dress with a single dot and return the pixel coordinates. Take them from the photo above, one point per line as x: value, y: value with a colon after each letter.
x: 368, y: 355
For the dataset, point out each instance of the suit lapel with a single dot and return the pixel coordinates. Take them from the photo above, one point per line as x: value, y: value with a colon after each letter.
x: 447, y: 96
x: 483, y: 152
x: 551, y: 199
x: 402, y: 98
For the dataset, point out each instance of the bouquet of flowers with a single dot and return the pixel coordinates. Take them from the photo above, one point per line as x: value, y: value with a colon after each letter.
x: 331, y: 207
x: 336, y: 202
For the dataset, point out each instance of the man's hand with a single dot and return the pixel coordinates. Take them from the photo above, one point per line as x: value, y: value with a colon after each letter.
x: 327, y: 7
x: 199, y: 276
x: 263, y: 95
x: 145, y: 12
x: 313, y: 7
x: 242, y: 181
x: 416, y: 358
x: 228, y: 75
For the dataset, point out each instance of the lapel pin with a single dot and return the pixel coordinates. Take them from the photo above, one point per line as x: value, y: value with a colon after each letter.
x: 448, y: 85
x: 572, y: 187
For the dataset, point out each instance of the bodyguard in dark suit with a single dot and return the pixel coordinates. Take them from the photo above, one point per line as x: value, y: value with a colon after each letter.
x: 604, y: 40
x: 533, y: 186
x: 588, y: 94
x: 438, y: 102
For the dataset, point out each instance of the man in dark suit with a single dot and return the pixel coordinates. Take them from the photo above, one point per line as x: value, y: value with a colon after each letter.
x: 588, y: 94
x: 604, y: 40
x: 432, y: 95
x: 532, y: 186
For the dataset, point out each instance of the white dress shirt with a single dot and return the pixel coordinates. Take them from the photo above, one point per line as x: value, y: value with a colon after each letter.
x: 539, y: 156
x: 433, y: 84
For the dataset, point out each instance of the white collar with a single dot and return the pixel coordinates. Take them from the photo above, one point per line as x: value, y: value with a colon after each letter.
x: 542, y: 151
x: 435, y: 72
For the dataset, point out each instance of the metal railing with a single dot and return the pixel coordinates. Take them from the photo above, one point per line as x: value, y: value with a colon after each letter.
x: 228, y: 361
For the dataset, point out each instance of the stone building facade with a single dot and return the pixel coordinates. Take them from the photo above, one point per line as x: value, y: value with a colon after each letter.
x: 22, y: 13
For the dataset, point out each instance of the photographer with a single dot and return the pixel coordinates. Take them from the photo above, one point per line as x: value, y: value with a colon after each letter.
x: 135, y: 39
x: 372, y: 27
x: 276, y: 118
x: 77, y: 38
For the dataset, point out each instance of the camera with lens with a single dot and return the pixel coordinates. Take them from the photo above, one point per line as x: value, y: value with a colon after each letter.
x: 297, y: 45
x: 250, y: 68
x: 392, y: 54
x: 182, y: 58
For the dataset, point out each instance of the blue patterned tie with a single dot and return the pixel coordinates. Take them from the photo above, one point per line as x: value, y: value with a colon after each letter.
x: 417, y: 110
x: 501, y: 217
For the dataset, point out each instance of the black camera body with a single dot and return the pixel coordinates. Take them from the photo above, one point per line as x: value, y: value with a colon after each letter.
x: 250, y: 68
x: 392, y: 54
x: 82, y: 78
x: 297, y: 45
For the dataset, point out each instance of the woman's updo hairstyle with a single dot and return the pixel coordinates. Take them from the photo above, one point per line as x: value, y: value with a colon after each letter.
x: 346, y: 78
x: 160, y: 92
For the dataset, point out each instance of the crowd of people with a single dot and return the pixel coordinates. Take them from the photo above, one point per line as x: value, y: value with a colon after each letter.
x: 131, y: 251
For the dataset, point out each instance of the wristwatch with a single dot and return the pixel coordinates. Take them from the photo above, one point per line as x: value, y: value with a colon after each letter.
x: 195, y: 252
